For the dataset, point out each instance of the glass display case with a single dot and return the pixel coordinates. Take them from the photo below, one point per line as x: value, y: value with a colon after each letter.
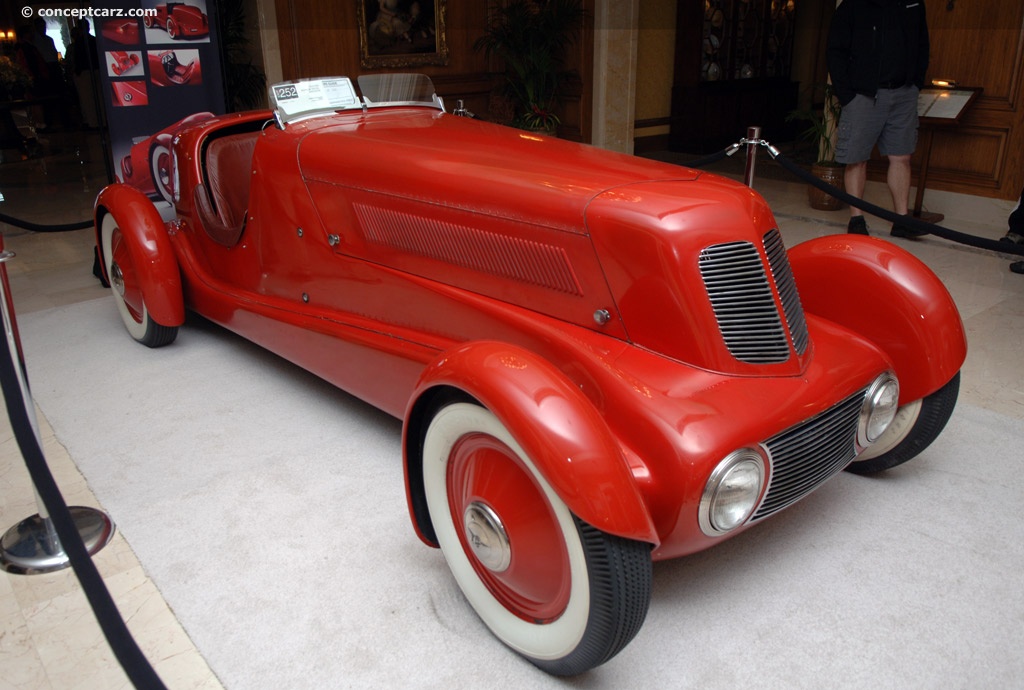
x: 733, y: 64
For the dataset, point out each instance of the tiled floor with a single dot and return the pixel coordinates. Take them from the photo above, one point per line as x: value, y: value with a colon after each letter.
x: 48, y: 637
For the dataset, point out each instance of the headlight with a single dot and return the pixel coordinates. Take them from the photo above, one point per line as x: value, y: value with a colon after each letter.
x: 879, y: 409
x: 731, y: 493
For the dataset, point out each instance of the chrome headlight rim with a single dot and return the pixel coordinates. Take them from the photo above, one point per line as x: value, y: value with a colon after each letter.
x: 744, y: 459
x: 881, y: 403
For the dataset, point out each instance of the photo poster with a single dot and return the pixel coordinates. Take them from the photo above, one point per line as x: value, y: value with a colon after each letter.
x: 156, y: 69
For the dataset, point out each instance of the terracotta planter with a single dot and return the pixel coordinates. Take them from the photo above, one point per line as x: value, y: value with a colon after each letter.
x: 830, y: 174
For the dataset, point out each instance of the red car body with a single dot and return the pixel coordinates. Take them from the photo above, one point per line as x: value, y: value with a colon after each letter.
x: 121, y: 31
x: 179, y: 20
x: 147, y: 167
x: 127, y: 94
x: 123, y: 61
x: 567, y: 333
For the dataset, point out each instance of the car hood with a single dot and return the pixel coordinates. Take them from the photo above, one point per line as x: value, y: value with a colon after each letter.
x: 479, y: 167
x: 606, y: 241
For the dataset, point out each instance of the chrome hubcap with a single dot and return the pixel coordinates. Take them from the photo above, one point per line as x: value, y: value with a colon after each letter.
x: 487, y: 537
x: 117, y: 278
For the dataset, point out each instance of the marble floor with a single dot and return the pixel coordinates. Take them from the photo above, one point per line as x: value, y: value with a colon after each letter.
x: 48, y: 636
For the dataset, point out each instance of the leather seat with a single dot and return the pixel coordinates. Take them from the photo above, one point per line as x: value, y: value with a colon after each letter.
x: 222, y: 203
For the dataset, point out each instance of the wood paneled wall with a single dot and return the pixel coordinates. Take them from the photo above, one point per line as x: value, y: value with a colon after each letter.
x: 980, y: 43
x: 318, y: 39
x: 977, y: 43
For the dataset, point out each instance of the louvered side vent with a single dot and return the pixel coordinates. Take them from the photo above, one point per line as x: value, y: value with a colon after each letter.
x: 743, y: 303
x: 531, y: 262
x: 804, y: 456
x: 778, y: 263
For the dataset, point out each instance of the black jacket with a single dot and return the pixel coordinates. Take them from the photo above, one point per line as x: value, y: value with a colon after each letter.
x: 859, y: 37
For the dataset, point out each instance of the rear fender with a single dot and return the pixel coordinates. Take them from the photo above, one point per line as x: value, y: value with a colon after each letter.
x: 150, y: 247
x: 560, y: 430
x: 890, y: 297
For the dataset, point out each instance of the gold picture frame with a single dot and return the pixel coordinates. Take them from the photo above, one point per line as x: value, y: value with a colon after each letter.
x: 402, y: 33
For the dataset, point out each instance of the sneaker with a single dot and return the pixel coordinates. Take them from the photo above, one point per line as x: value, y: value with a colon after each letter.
x: 905, y: 231
x: 1017, y: 267
x: 1012, y: 238
x: 857, y: 226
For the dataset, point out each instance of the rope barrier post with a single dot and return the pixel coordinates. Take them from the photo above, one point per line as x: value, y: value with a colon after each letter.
x: 32, y: 546
x: 753, y: 140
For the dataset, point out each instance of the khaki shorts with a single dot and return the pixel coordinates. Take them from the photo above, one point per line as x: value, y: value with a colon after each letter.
x: 889, y: 120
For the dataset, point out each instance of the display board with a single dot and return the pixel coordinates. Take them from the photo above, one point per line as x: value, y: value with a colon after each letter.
x: 939, y: 106
x: 159, y: 63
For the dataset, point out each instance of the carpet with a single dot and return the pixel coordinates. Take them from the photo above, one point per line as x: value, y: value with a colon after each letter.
x: 269, y: 509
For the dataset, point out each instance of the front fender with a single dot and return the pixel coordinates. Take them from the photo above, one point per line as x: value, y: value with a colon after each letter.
x: 888, y: 296
x: 150, y: 247
x: 559, y: 429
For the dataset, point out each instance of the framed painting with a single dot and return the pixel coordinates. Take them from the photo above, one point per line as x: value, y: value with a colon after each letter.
x: 402, y: 33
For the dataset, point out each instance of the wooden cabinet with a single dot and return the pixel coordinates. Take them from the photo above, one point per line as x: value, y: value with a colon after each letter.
x: 732, y: 70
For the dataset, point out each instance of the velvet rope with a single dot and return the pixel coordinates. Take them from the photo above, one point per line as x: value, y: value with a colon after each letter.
x: 126, y: 650
x: 910, y: 222
x: 36, y: 227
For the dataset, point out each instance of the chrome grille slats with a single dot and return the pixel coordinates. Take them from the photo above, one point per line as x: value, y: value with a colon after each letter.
x: 778, y: 264
x: 806, y: 455
x: 744, y: 305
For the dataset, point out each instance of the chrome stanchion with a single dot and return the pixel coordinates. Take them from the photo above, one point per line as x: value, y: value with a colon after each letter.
x: 752, y: 141
x: 32, y: 546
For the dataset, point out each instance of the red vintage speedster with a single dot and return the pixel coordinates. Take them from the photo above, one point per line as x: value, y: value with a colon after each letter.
x: 179, y: 20
x: 599, y: 360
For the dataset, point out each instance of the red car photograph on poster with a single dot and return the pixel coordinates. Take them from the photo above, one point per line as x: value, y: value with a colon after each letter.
x: 129, y: 94
x: 179, y: 20
x: 175, y: 67
x: 122, y: 31
x: 599, y: 360
x: 123, y: 62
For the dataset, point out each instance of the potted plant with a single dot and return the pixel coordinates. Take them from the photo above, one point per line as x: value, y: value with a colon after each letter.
x: 531, y: 37
x: 821, y: 132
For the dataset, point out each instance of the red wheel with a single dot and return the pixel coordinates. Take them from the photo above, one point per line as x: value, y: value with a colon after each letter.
x: 127, y: 288
x: 523, y: 560
x: 147, y: 21
x: 172, y: 28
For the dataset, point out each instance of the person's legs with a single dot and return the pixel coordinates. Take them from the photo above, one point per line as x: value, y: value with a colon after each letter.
x: 1015, y: 227
x: 898, y: 179
x: 859, y: 127
x: 854, y: 178
x: 897, y: 142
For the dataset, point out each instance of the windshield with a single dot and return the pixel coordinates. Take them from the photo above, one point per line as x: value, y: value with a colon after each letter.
x: 393, y: 89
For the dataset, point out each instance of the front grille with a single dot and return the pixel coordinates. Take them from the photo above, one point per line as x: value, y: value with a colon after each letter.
x: 778, y: 263
x: 743, y: 303
x: 806, y: 455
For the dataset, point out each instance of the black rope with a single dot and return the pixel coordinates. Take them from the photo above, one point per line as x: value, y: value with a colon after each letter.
x: 126, y: 650
x: 713, y: 158
x: 908, y: 221
x: 35, y: 227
